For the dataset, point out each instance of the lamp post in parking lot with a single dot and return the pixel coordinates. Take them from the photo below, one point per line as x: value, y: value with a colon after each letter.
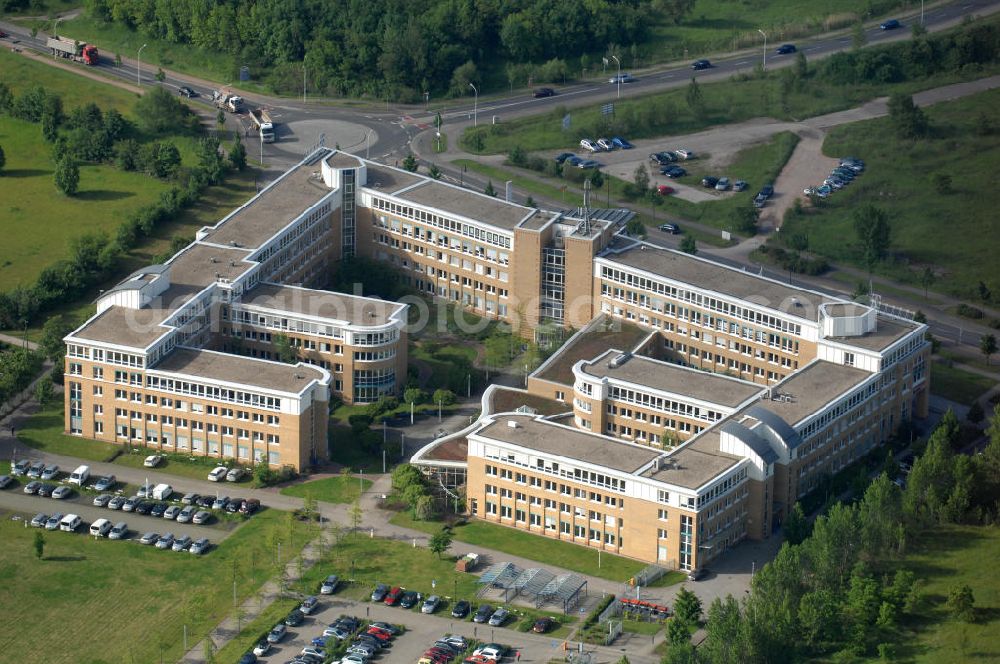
x: 619, y: 77
x: 764, y: 63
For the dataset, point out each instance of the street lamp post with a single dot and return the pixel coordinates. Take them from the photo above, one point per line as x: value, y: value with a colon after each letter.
x: 368, y: 143
x: 764, y: 34
x: 475, y: 106
x: 138, y: 67
x: 619, y: 79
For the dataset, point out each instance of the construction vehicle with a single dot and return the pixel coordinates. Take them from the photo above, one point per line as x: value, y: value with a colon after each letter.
x: 74, y: 50
x: 228, y: 101
x: 262, y: 122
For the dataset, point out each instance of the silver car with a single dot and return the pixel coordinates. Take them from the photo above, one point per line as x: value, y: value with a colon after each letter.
x: 5, y: 481
x: 166, y: 541
x: 50, y: 472
x: 119, y: 531
x: 182, y: 543
x: 171, y: 512
x: 53, y: 522
x: 185, y: 515
x: 200, y: 517
x: 102, y: 500
x: 117, y: 502
x: 40, y: 520
x: 200, y: 546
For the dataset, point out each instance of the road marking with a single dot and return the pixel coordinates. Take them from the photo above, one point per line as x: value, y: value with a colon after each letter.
x: 742, y: 63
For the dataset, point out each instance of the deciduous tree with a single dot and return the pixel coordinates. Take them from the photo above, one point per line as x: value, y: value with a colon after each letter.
x: 871, y: 225
x: 441, y: 540
x: 67, y: 176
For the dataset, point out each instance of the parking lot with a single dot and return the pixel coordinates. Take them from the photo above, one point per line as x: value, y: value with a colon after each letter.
x: 14, y: 499
x: 421, y: 631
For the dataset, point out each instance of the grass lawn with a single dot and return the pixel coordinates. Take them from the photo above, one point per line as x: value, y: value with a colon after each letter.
x: 943, y: 558
x: 38, y: 222
x: 33, y: 215
x: 330, y: 489
x: 534, y: 547
x: 899, y: 178
x: 640, y: 627
x: 144, y: 596
x: 956, y: 384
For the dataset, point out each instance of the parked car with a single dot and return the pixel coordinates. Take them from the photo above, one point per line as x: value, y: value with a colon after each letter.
x: 664, y: 190
x: 891, y: 24
x: 31, y: 488
x: 499, y: 617
x: 39, y: 520
x: 249, y: 506
x: 409, y: 599
x: 709, y: 181
x: 186, y: 92
x: 379, y: 592
x: 52, y: 523
x: 431, y: 604
x: 542, y: 625
x: 145, y: 490
x: 588, y: 144
x: 186, y: 514
x: 158, y: 510
x: 130, y: 504
x: 182, y: 543
x: 144, y: 507
x: 387, y: 627
x: 235, y: 474
x: 492, y: 651
x: 483, y: 613
x: 262, y: 647
x: 785, y: 49
x: 35, y: 469
x: 722, y: 184
x: 392, y: 597
x: 116, y: 502
x: 205, y: 501
x: 740, y: 185
x: 50, y: 472
x: 149, y: 538
x: 62, y: 492
x: 45, y: 490
x: 309, y: 605
x: 70, y: 523
x: 560, y: 158
x: 233, y: 506
x: 118, y: 531
x: 330, y: 583
x: 171, y: 512
x: 20, y: 468
x: 314, y: 651
x: 200, y: 546
x: 620, y: 142
x: 574, y: 160
x: 684, y: 153
x: 759, y: 200
x: 701, y: 64
x: 153, y: 460
x: 673, y: 172
x: 605, y: 144
x: 621, y: 78
x: 201, y: 517
x: 247, y: 658
x: 80, y: 476
x: 277, y: 633
x: 220, y: 503
x: 295, y: 618
x: 589, y: 163
x: 105, y: 483
x: 673, y: 229
x: 543, y: 92
x: 189, y: 498
x: 166, y: 541
x: 218, y: 474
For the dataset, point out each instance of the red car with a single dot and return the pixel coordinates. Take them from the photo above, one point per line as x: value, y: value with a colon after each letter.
x: 394, y: 595
x: 379, y: 634
x: 664, y: 190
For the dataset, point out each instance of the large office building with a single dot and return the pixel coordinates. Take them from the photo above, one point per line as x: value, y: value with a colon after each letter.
x: 694, y: 405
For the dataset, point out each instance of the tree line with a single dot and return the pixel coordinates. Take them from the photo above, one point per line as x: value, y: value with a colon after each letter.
x: 89, y: 135
x: 836, y: 588
x: 381, y: 47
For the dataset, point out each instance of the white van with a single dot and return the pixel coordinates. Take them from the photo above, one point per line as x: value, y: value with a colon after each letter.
x: 80, y: 475
x: 100, y: 528
x: 162, y: 491
x: 70, y: 523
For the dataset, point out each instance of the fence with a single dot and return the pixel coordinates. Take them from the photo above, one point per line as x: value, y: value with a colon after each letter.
x: 613, y: 610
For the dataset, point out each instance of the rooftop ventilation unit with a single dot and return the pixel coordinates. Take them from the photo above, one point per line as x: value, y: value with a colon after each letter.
x: 619, y: 360
x: 512, y: 424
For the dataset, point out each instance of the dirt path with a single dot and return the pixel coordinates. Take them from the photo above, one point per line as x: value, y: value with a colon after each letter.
x: 807, y: 167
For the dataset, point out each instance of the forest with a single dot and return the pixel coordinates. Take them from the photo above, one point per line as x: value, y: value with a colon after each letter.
x: 386, y: 47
